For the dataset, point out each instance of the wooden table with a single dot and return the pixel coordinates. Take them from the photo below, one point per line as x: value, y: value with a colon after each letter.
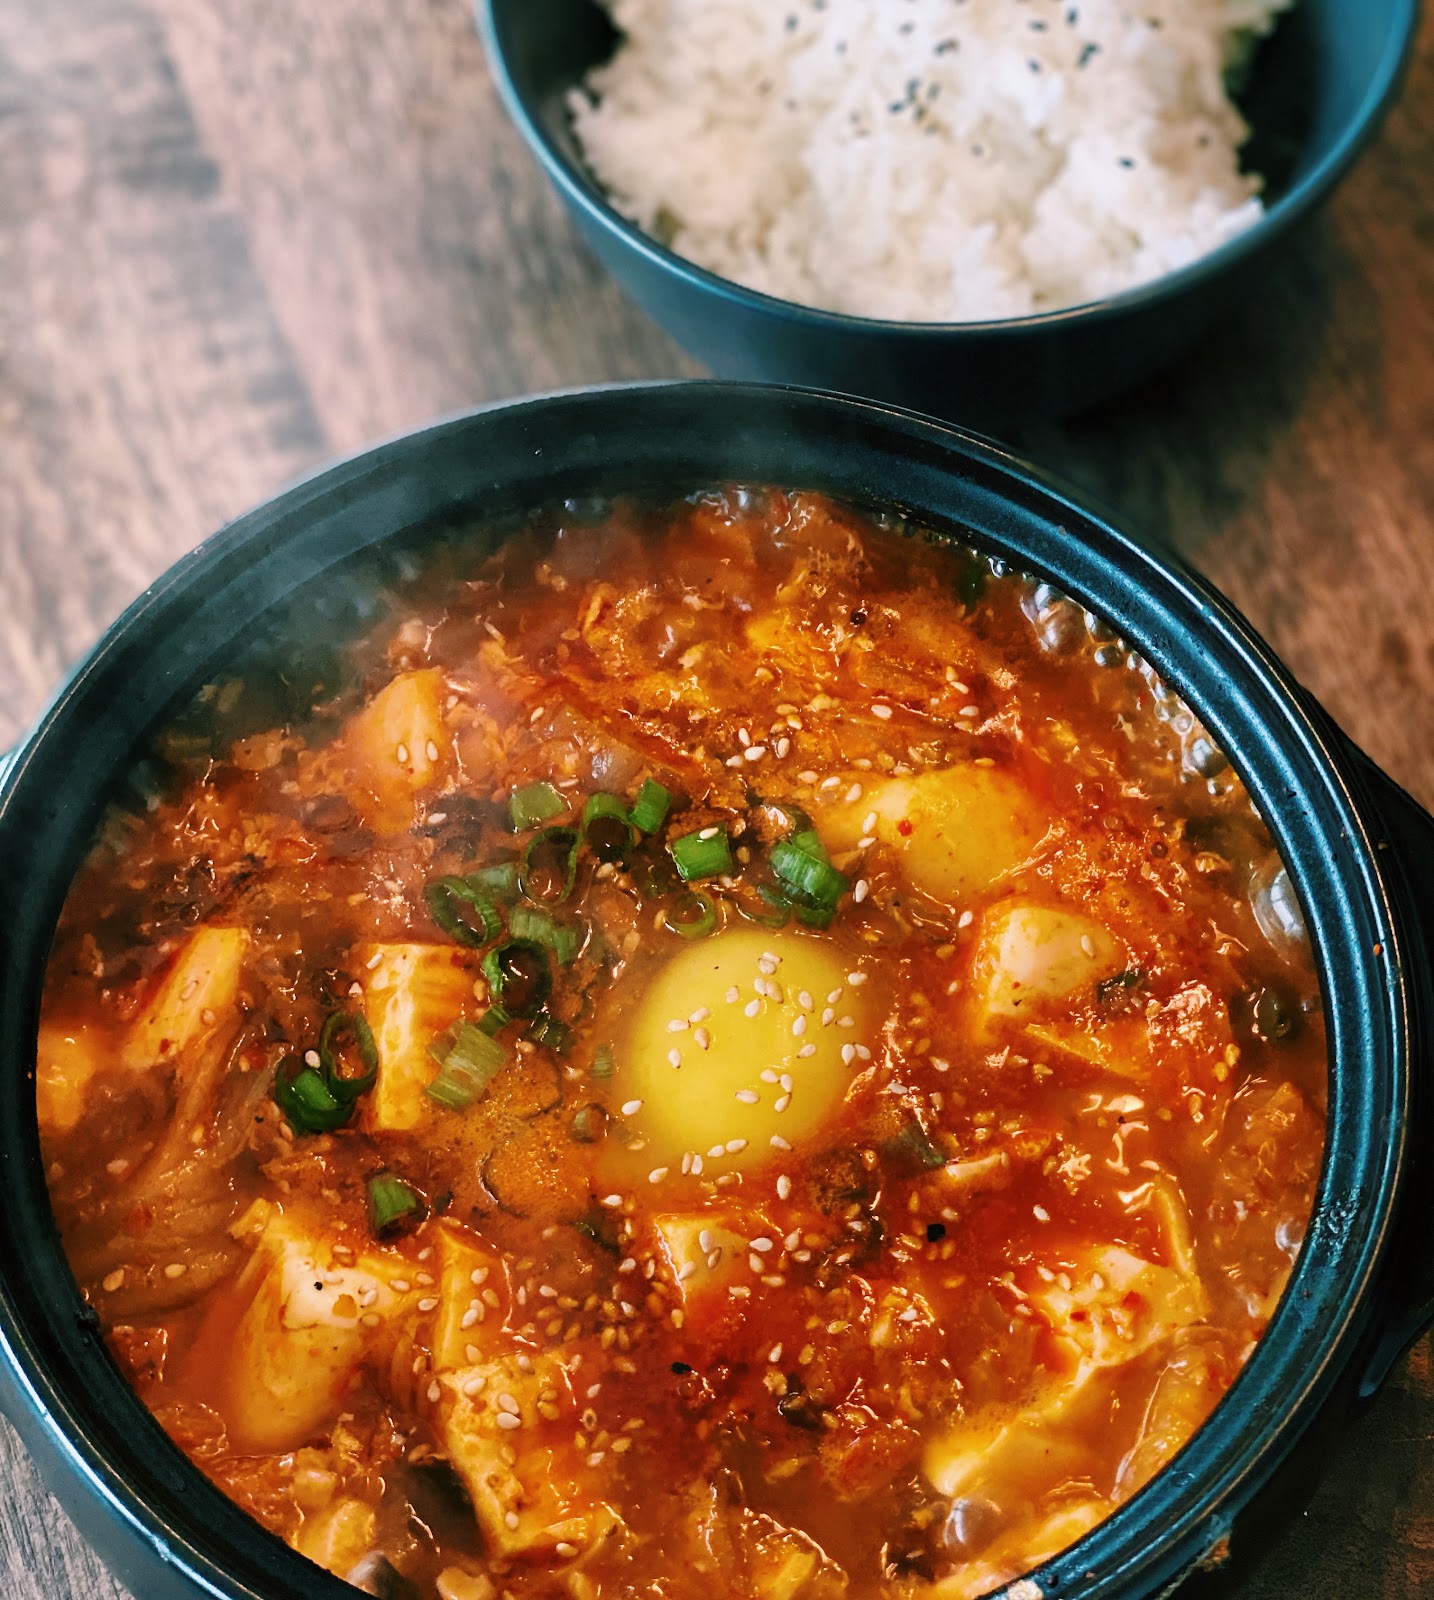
x: 238, y: 236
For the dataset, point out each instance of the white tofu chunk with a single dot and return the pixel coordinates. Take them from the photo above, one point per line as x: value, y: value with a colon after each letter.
x: 472, y: 1299
x: 413, y: 992
x: 1118, y: 1305
x: 394, y: 748
x: 524, y: 1478
x: 308, y: 1324
x: 1028, y: 954
x: 195, y: 1002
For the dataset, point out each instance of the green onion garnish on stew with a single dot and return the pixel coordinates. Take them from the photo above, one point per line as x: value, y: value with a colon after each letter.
x: 603, y: 1065
x: 809, y: 879
x: 649, y: 810
x: 550, y: 865
x: 694, y: 915
x: 533, y: 805
x: 519, y: 978
x: 306, y: 1100
x: 499, y: 880
x: 346, y: 1031
x: 705, y: 854
x: 606, y: 828
x: 494, y: 1020
x: 533, y: 923
x: 469, y: 1065
x: 553, y: 1035
x: 391, y: 1203
x: 464, y: 910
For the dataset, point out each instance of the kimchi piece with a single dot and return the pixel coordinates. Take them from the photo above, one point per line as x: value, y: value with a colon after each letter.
x: 735, y: 1042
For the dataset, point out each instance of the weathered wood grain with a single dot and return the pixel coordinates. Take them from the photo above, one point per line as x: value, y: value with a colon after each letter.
x: 238, y: 235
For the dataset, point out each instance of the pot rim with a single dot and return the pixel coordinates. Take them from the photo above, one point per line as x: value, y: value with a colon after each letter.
x: 875, y: 455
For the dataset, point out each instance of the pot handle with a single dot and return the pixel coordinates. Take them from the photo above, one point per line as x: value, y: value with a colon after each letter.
x: 1407, y: 850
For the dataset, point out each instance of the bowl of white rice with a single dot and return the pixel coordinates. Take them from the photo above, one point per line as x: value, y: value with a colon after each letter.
x: 992, y: 209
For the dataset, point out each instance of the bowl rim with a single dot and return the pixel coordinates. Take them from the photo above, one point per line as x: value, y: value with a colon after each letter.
x: 1015, y: 508
x: 584, y: 195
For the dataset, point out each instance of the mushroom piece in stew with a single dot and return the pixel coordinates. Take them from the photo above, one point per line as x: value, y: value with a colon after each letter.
x: 738, y: 1040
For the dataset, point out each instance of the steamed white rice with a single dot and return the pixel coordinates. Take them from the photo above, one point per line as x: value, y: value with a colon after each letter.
x: 927, y: 160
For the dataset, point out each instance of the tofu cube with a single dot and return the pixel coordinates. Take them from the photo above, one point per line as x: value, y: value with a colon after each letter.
x: 1029, y: 954
x: 195, y: 1002
x: 395, y: 747
x: 413, y: 992
x: 472, y: 1299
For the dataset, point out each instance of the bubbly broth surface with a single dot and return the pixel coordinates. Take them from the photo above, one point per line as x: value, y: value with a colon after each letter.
x: 732, y: 1046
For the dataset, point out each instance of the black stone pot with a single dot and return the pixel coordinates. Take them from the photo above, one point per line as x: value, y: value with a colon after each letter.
x: 1358, y: 848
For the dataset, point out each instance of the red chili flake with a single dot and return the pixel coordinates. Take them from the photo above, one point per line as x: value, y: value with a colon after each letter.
x: 904, y: 828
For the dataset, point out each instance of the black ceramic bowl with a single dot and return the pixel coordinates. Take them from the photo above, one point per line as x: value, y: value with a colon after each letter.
x: 1353, y: 842
x: 1320, y: 86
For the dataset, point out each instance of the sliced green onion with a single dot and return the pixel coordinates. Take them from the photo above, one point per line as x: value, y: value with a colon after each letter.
x: 603, y: 1065
x: 534, y: 924
x: 499, y: 880
x: 696, y: 856
x: 518, y: 975
x: 588, y: 1124
x: 550, y: 865
x: 391, y: 1203
x: 809, y: 880
x: 912, y: 1147
x: 470, y: 1064
x: 649, y: 810
x: 464, y: 910
x: 694, y: 916
x: 494, y: 1020
x: 781, y: 908
x: 340, y: 1028
x: 546, y: 1030
x: 306, y: 1100
x: 809, y: 841
x: 606, y: 828
x: 534, y: 804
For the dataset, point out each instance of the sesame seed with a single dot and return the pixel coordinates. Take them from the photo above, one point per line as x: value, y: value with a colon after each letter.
x: 743, y: 737
x: 734, y: 994
x: 768, y: 956
x: 701, y: 1014
x: 884, y: 712
x: 784, y: 746
x: 1040, y: 1214
x: 735, y: 1146
x: 784, y: 1187
x: 866, y: 841
x: 428, y: 1303
x: 402, y: 754
x: 853, y: 794
x: 704, y: 1240
x: 848, y: 1054
x: 677, y: 1025
x: 869, y: 825
x: 756, y: 1264
x: 806, y: 1051
x: 806, y: 777
x: 799, y: 1027
x: 400, y: 1285
x: 755, y: 752
x: 311, y: 1058
x: 715, y: 1151
x: 778, y: 1142
x: 846, y: 1022
x: 786, y: 1081
x: 612, y: 1199
x: 855, y: 979
x: 630, y: 1108
x: 863, y: 1052
x: 769, y: 1075
x: 748, y: 1097
x: 783, y: 1103
x: 657, y: 1175
x: 775, y: 1354
x: 474, y: 1386
x: 435, y: 1392
x: 708, y: 833
x: 804, y: 1000
x: 674, y: 1058
x: 703, y: 1039
x: 113, y: 1280
x: 733, y: 761
x: 828, y: 1017
x: 752, y: 1008
x: 697, y: 1166
x: 470, y: 1316
x: 965, y: 919
x: 860, y: 890
x: 510, y: 1519
x: 1087, y: 944
x: 506, y: 1419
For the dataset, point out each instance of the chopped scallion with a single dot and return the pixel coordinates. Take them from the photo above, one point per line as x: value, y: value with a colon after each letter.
x: 697, y: 857
x: 553, y: 1035
x: 499, y: 880
x: 606, y: 828
x: 306, y: 1100
x: 810, y: 880
x: 533, y: 805
x: 343, y: 1029
x: 649, y: 810
x: 470, y: 1064
x: 463, y: 910
x: 550, y: 865
x: 533, y: 923
x: 518, y: 975
x: 694, y: 915
x: 603, y: 1066
x: 391, y: 1203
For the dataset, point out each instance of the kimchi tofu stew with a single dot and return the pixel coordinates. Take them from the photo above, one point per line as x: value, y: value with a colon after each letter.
x: 735, y: 1049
